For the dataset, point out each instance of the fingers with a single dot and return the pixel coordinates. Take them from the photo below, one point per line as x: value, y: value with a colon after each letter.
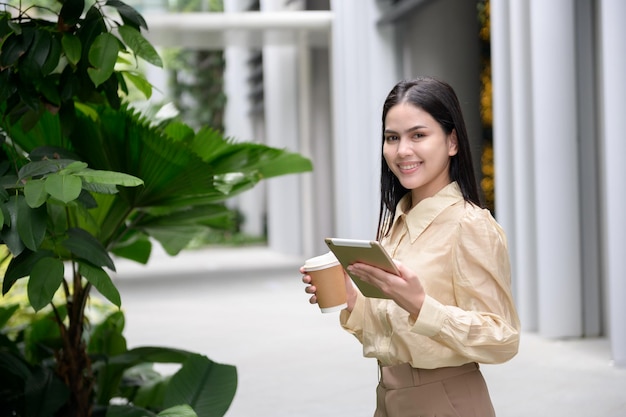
x: 309, y: 289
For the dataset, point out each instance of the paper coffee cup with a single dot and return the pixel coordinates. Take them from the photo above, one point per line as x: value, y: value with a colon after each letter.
x: 327, y: 276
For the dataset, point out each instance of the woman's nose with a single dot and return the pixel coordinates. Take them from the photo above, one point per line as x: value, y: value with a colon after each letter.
x: 404, y: 147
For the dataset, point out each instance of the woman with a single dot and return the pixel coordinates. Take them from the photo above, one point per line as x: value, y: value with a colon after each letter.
x: 451, y: 306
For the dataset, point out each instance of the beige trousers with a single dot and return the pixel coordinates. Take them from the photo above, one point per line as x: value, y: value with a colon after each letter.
x: 460, y: 391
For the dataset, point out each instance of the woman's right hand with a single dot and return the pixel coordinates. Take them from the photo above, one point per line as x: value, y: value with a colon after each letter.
x: 351, y: 292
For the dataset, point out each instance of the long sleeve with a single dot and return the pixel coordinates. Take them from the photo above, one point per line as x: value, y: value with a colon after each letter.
x: 484, y: 325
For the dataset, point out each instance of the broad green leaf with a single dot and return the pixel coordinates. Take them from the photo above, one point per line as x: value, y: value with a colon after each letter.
x: 9, y: 234
x: 13, y: 365
x: 178, y: 411
x: 6, y: 312
x: 102, y: 56
x: 71, y: 11
x: 74, y: 167
x: 40, y: 48
x: 38, y: 168
x: 35, y: 193
x: 85, y: 246
x: 138, y: 251
x: 129, y: 15
x: 101, y: 281
x: 128, y: 411
x: 72, y: 48
x: 45, y: 279
x: 21, y: 266
x: 140, y: 82
x: 54, y: 56
x: 207, y: 386
x: 151, y: 354
x: 31, y: 224
x: 139, y: 45
x: 64, y: 188
x: 173, y: 238
x: 107, y: 338
x: 109, y: 177
x: 100, y: 188
x: 45, y: 393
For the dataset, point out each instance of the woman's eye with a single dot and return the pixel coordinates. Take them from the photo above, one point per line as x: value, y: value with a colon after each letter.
x: 418, y: 135
x: 391, y: 138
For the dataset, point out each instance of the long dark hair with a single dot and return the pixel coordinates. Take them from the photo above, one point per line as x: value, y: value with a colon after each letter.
x: 439, y: 100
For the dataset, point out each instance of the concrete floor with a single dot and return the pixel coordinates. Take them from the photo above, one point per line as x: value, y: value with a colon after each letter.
x: 247, y: 307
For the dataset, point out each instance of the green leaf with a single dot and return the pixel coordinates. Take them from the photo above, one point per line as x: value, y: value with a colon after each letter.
x: 31, y: 224
x: 107, y: 337
x: 21, y: 266
x: 86, y: 247
x: 173, y: 238
x: 44, y: 393
x: 9, y: 234
x: 207, y: 386
x: 13, y: 365
x: 109, y: 177
x: 138, y: 251
x: 71, y: 11
x: 45, y: 279
x: 6, y: 312
x: 128, y: 411
x: 101, y: 280
x: 64, y: 188
x: 139, y: 45
x: 129, y: 15
x: 140, y: 82
x: 73, y: 167
x: 54, y: 56
x: 38, y: 168
x: 35, y: 193
x: 102, y: 56
x: 178, y: 411
x: 72, y: 47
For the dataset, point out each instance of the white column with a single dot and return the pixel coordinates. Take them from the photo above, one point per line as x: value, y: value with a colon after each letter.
x: 555, y: 144
x: 523, y: 165
x: 503, y: 129
x: 280, y: 81
x: 613, y: 39
x: 363, y: 72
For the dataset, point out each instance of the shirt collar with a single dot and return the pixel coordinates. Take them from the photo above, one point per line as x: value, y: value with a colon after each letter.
x: 419, y: 217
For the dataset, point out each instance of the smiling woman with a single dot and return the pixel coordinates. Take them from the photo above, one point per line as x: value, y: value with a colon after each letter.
x: 450, y: 306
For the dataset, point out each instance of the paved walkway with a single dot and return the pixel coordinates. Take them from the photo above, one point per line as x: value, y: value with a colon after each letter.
x: 247, y: 307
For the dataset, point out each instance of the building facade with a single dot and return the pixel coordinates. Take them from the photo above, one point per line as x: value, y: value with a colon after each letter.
x: 312, y: 76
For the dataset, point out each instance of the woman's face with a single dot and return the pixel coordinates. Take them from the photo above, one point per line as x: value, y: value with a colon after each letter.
x: 417, y: 150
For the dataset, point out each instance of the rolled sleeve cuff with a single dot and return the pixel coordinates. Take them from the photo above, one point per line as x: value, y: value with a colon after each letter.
x: 350, y: 320
x: 431, y: 318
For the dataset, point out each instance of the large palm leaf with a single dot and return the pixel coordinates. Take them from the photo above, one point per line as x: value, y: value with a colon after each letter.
x: 187, y: 175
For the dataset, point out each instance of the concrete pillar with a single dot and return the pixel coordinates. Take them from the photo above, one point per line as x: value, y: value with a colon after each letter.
x: 555, y: 138
x: 503, y: 129
x: 523, y: 165
x: 613, y: 68
x: 363, y: 66
x: 280, y: 80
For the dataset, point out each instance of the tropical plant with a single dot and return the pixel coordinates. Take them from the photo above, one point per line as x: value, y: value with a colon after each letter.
x: 85, y: 177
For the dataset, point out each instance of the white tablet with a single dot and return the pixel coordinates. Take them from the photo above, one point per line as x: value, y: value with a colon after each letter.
x: 350, y: 251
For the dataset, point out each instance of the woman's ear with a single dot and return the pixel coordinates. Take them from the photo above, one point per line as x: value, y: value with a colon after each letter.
x: 453, y: 143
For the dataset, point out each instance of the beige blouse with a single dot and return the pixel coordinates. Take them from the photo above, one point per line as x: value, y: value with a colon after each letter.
x: 460, y: 255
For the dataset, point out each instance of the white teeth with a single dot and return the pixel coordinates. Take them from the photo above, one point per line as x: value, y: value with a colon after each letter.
x: 408, y: 166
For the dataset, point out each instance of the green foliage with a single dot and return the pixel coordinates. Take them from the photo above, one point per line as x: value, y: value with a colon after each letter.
x: 48, y: 64
x: 200, y: 387
x: 84, y: 177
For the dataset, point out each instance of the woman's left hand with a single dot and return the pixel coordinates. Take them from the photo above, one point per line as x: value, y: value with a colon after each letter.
x: 405, y: 289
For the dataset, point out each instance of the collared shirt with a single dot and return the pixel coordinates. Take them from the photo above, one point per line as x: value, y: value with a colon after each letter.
x: 460, y: 254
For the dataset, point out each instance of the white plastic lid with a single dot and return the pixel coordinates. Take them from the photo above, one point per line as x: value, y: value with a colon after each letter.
x: 321, y: 262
